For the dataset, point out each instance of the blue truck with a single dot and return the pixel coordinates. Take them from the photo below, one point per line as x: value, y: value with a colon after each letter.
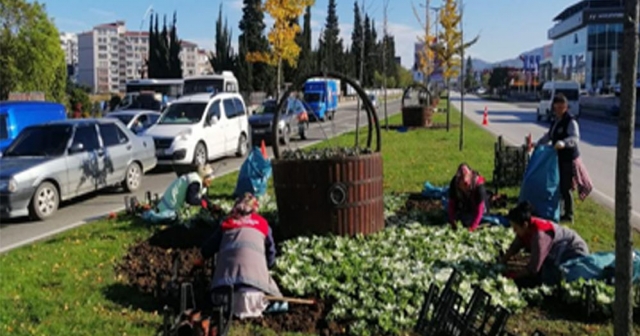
x: 16, y: 115
x: 322, y: 97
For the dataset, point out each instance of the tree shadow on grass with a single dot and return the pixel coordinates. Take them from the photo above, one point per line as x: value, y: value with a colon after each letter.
x: 129, y: 296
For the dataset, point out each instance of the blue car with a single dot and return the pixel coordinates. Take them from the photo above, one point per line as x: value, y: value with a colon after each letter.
x: 16, y: 115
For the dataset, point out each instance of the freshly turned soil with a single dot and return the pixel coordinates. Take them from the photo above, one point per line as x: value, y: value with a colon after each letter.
x: 417, y: 202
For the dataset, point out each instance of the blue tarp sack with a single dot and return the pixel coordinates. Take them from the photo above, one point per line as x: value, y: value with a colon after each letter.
x: 540, y: 183
x: 431, y: 191
x: 495, y: 220
x: 254, y: 175
x: 163, y: 217
x: 597, y: 266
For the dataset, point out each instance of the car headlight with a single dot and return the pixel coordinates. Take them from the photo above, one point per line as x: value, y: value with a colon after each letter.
x: 9, y: 185
x: 281, y: 124
x: 184, y: 135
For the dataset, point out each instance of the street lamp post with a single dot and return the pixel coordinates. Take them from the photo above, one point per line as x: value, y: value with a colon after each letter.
x: 139, y: 54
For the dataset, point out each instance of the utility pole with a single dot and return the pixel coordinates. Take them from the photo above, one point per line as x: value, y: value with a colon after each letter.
x: 461, y: 3
x: 384, y: 64
x: 623, y: 304
x: 427, y: 42
x: 360, y: 77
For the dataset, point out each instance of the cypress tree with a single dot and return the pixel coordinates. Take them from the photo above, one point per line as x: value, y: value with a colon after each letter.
x: 258, y: 76
x: 175, y: 46
x: 356, y: 41
x: 330, y: 45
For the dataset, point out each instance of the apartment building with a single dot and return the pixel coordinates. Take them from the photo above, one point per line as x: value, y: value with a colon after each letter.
x: 204, y: 65
x: 109, y: 55
x: 189, y: 58
x: 69, y: 45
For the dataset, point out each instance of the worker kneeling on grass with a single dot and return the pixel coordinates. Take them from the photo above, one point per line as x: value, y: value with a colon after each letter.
x: 188, y: 189
x: 245, y: 252
x: 549, y: 244
x: 468, y: 200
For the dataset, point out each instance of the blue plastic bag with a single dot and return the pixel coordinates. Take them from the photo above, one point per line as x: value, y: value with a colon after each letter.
x: 254, y: 175
x: 431, y: 191
x: 540, y: 183
x: 163, y: 217
x: 592, y: 267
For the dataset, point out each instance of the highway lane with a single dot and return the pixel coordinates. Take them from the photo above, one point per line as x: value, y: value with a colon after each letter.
x: 15, y: 233
x: 597, y: 146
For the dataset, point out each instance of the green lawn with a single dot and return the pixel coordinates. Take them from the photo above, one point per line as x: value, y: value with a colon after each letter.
x: 66, y: 285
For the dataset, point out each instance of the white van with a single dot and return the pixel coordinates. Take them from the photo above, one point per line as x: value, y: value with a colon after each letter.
x: 224, y: 82
x: 198, y: 128
x: 569, y: 89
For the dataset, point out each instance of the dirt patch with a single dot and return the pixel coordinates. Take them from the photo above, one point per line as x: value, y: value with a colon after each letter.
x: 149, y: 265
x: 417, y: 202
x: 498, y: 201
x: 307, y: 319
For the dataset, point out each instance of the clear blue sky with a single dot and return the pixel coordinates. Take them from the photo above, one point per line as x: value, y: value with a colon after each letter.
x: 506, y: 27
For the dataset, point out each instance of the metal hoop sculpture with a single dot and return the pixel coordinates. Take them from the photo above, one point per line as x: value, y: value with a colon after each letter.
x: 372, y: 117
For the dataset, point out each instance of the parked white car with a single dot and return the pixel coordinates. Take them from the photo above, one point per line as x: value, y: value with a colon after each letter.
x: 201, y: 127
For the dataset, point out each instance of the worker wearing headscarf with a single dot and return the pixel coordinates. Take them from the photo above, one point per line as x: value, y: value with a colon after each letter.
x: 245, y: 252
x: 188, y: 189
x: 468, y: 200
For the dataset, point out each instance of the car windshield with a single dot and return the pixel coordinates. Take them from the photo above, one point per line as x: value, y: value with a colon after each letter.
x: 125, y: 119
x: 44, y: 140
x: 572, y: 95
x: 268, y: 107
x: 312, y: 97
x: 183, y: 113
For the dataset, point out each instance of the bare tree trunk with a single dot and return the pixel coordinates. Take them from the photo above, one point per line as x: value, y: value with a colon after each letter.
x: 623, y: 306
x: 278, y: 79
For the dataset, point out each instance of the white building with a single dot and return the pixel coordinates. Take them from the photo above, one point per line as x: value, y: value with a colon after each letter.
x: 189, y: 58
x: 204, y: 65
x: 109, y: 55
x: 69, y: 45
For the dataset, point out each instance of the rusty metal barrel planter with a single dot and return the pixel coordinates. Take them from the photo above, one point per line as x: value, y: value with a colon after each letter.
x: 420, y: 115
x: 335, y: 194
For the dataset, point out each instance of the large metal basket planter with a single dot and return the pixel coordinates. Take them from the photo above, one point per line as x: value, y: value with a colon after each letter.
x: 332, y: 195
x: 420, y: 115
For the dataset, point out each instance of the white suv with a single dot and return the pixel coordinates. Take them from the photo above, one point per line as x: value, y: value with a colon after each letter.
x: 201, y: 127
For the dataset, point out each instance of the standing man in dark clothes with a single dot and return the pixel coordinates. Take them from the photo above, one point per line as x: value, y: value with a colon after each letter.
x: 564, y: 135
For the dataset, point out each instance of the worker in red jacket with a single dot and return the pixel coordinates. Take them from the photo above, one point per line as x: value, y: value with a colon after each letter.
x: 468, y: 200
x: 548, y: 243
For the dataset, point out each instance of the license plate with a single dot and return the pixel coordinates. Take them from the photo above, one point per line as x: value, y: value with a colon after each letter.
x: 260, y: 131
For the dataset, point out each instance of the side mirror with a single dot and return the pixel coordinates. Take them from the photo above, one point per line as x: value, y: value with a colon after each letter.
x: 212, y: 120
x: 76, y: 148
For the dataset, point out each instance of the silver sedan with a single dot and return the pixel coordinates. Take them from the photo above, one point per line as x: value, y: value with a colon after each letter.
x: 57, y: 161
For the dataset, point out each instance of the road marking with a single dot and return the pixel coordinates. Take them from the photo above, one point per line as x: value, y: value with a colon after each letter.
x: 119, y: 209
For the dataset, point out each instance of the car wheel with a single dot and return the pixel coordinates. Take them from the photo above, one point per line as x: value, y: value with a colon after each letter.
x: 44, y: 202
x: 200, y: 155
x: 133, y: 178
x: 286, y: 135
x: 242, y: 145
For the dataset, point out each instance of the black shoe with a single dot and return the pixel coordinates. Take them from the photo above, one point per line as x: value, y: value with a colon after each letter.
x: 567, y: 218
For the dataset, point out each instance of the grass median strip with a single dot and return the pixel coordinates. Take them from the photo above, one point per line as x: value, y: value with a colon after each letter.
x: 66, y: 285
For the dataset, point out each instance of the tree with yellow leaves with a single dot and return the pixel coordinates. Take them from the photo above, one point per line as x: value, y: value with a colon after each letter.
x: 450, y: 44
x: 426, y: 53
x: 283, y: 46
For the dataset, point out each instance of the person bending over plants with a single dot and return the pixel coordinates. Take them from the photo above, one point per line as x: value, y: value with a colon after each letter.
x: 548, y: 243
x: 245, y: 251
x: 468, y: 201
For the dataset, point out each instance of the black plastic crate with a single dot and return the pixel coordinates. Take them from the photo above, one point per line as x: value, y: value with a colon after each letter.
x: 510, y: 164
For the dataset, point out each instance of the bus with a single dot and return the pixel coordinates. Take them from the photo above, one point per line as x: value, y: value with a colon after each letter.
x: 171, y: 88
x: 224, y: 82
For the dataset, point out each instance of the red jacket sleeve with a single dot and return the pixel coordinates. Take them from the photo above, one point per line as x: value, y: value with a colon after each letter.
x: 478, y: 217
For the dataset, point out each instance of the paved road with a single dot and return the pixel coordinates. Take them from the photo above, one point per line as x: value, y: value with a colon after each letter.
x: 15, y: 233
x: 598, y: 143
